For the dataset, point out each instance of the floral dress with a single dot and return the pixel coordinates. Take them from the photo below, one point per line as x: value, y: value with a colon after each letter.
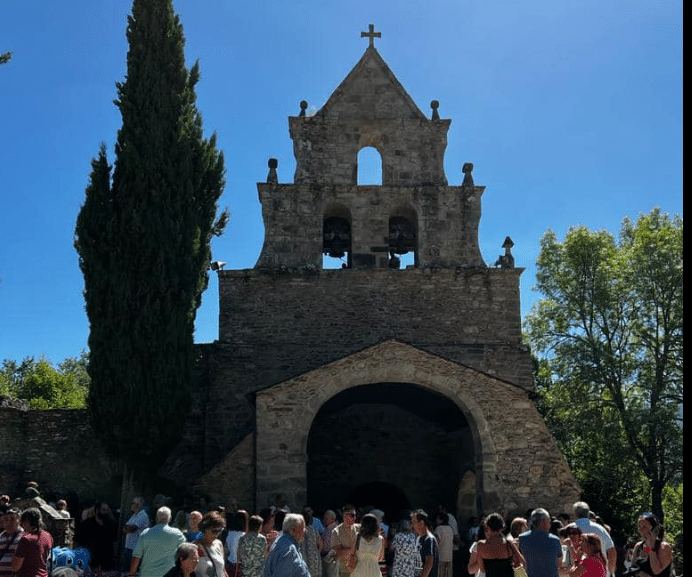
x: 405, y: 554
x: 251, y: 550
x: 310, y: 551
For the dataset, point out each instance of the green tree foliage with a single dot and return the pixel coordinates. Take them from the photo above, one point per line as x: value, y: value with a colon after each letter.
x: 5, y: 57
x: 672, y: 505
x: 44, y: 386
x: 143, y: 236
x: 609, y: 334
x: 590, y: 437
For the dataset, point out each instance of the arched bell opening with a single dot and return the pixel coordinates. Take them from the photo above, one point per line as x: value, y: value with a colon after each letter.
x: 369, y: 167
x: 403, y: 239
x: 336, y: 238
x: 397, y: 435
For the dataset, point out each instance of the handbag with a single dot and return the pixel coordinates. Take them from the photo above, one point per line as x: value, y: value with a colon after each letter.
x: 518, y: 571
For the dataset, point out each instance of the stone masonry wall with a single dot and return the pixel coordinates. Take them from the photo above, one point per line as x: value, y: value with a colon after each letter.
x: 350, y: 309
x: 369, y: 108
x: 13, y: 434
x: 412, y: 151
x: 58, y: 450
x: 446, y: 220
x: 275, y: 325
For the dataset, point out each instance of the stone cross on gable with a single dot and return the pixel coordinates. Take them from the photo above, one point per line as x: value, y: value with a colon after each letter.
x: 371, y: 34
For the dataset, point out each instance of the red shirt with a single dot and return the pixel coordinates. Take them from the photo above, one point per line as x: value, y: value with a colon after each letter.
x: 594, y: 567
x: 34, y: 548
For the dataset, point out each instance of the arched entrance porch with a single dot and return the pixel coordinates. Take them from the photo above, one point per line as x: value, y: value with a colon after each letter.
x: 515, y: 461
x: 393, y: 446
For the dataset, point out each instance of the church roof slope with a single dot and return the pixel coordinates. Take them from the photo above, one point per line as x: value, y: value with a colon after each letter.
x: 371, y: 90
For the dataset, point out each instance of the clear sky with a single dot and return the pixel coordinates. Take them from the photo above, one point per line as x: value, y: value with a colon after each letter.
x: 570, y: 110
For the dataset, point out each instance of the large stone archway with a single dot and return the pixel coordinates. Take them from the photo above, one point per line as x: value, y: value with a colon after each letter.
x: 392, y: 446
x: 517, y: 464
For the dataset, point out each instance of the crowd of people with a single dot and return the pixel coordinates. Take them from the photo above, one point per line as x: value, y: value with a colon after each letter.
x: 203, y: 541
x: 539, y: 545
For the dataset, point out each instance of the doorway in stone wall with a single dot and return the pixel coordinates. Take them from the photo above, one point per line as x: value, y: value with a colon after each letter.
x: 392, y: 446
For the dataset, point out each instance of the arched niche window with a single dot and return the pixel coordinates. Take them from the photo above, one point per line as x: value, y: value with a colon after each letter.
x: 403, y: 240
x: 369, y: 167
x: 336, y: 241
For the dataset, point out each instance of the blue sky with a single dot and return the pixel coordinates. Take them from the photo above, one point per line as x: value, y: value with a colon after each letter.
x: 571, y: 112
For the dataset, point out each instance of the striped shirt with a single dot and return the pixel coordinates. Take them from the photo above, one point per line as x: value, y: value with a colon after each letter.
x: 8, y: 546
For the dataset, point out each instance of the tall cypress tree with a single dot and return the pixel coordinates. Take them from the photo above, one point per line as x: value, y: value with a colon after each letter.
x: 143, y: 238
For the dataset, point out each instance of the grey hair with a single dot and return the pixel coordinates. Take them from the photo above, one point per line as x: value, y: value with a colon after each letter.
x: 163, y: 515
x: 330, y: 513
x: 538, y: 516
x: 581, y: 509
x: 405, y: 526
x: 183, y: 552
x: 292, y: 520
x: 139, y: 501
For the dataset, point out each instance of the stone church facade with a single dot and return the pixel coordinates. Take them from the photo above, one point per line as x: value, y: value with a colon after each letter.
x: 395, y: 386
x: 382, y: 383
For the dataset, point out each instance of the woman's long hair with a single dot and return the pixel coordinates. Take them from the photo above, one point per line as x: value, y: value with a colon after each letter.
x: 495, y: 522
x: 369, y: 526
x: 33, y: 516
x: 240, y: 521
x: 480, y: 534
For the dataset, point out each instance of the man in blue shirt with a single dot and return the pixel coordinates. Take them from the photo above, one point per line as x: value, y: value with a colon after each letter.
x: 542, y: 550
x: 156, y: 547
x: 284, y: 558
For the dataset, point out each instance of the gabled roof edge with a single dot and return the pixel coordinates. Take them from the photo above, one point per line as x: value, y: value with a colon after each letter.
x: 371, y: 53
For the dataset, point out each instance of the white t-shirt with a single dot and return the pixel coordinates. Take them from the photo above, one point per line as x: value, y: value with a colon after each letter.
x: 141, y: 520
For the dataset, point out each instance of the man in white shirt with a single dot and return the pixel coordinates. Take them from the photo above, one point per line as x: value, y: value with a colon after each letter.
x: 138, y: 521
x: 581, y: 512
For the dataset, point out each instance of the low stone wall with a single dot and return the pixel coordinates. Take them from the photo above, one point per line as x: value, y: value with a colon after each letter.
x: 13, y: 433
x: 58, y: 450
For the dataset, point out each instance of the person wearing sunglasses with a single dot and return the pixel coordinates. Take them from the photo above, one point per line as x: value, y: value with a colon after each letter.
x: 211, y: 553
x: 570, y: 535
x: 344, y: 539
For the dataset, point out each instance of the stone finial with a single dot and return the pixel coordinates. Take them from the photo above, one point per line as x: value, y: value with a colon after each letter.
x: 371, y: 35
x: 506, y: 260
x: 303, y: 107
x: 435, y: 105
x: 272, y: 177
x: 467, y: 169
